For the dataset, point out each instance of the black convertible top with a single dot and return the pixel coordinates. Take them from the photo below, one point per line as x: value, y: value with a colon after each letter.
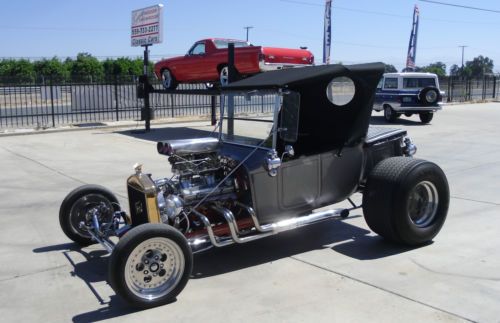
x: 323, y: 126
x: 297, y: 77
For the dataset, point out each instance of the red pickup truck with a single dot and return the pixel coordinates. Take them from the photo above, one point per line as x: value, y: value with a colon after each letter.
x: 206, y: 62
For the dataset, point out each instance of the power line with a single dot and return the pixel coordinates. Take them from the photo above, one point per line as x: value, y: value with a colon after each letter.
x: 460, y: 6
x: 379, y: 13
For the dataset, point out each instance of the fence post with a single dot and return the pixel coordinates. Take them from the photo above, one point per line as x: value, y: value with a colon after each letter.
x: 52, y: 102
x: 213, y: 105
x: 116, y: 97
x: 450, y: 81
x: 494, y: 87
x: 172, y: 101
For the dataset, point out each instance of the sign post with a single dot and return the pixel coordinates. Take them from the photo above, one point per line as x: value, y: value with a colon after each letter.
x: 147, y: 29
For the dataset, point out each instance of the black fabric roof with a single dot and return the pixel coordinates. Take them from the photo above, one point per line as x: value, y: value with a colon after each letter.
x: 295, y: 77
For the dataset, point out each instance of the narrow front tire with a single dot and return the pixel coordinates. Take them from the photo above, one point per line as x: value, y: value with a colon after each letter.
x: 150, y: 265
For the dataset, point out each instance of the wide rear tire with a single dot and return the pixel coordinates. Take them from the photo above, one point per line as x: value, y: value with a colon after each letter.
x: 406, y: 200
x: 150, y: 265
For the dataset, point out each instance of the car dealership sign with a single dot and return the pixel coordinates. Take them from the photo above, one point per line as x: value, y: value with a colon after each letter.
x: 147, y: 26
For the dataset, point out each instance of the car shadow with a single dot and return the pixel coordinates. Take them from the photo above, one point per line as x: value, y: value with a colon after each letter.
x: 159, y: 134
x: 380, y: 121
x: 347, y: 239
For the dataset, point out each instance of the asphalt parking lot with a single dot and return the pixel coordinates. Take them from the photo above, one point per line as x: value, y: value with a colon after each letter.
x: 334, y: 271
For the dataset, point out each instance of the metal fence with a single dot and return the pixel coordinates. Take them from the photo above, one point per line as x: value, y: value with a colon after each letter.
x: 82, y: 104
x: 51, y: 104
x: 459, y: 89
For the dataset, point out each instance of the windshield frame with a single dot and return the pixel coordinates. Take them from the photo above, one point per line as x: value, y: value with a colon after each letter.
x: 276, y: 107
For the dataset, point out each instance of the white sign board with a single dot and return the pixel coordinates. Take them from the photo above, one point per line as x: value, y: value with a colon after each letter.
x: 147, y: 26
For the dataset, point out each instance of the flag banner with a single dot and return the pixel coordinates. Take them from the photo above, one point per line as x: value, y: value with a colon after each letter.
x: 327, y: 34
x: 412, y: 46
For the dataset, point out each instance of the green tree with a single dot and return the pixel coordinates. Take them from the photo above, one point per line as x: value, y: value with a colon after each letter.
x: 51, y: 69
x: 17, y: 71
x: 454, y: 70
x: 478, y: 67
x: 390, y: 68
x: 438, y: 68
x: 85, y: 68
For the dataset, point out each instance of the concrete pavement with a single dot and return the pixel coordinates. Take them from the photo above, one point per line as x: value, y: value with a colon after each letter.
x: 331, y: 272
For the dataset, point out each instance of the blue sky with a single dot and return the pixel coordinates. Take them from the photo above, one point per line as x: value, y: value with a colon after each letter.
x: 362, y: 30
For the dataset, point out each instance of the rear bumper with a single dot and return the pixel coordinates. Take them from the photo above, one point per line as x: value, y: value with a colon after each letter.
x: 417, y: 108
x: 397, y: 107
x: 265, y: 66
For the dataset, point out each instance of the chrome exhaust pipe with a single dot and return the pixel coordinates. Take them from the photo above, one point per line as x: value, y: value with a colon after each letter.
x: 216, y: 241
x: 265, y: 230
x: 233, y: 227
x: 251, y: 211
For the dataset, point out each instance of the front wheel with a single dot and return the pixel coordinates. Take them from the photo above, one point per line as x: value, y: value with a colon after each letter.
x: 224, y: 75
x: 150, y: 265
x: 168, y: 80
x: 406, y: 200
x: 77, y: 209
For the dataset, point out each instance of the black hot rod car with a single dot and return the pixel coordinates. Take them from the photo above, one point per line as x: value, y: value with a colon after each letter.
x: 259, y: 175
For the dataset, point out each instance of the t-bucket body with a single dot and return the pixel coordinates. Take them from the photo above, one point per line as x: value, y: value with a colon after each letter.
x: 260, y: 174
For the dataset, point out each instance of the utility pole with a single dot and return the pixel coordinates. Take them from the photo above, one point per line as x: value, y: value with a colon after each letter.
x: 463, y: 47
x: 248, y: 28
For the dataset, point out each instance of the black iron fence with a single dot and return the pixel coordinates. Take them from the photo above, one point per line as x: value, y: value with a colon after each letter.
x: 50, y: 104
x: 458, y: 89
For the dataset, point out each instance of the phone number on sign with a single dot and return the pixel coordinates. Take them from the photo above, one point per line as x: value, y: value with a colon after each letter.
x: 145, y: 30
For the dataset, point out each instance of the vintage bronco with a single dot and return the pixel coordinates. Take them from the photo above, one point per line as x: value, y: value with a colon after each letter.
x: 261, y: 175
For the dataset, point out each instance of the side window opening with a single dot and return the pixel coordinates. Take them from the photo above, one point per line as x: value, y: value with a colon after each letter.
x: 391, y: 83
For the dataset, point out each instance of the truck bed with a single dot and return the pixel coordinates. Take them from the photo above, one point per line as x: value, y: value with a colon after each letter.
x: 377, y: 134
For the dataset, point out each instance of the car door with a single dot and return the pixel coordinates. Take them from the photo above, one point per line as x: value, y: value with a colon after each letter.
x: 192, y: 67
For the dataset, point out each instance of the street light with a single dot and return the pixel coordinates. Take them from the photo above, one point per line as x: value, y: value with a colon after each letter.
x: 463, y: 47
x: 248, y: 28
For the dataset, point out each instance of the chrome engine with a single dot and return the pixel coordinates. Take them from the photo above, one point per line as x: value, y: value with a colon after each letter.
x: 198, y: 171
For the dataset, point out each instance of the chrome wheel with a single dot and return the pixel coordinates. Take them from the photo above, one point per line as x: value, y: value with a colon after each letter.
x: 423, y: 204
x: 431, y: 96
x: 154, y: 268
x: 167, y: 79
x: 224, y: 76
x: 83, y: 208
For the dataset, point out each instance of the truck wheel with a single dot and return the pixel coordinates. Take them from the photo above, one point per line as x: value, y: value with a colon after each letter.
x: 150, y: 265
x: 406, y: 200
x: 224, y: 75
x: 426, y: 117
x: 389, y: 114
x: 168, y: 80
x: 78, y: 206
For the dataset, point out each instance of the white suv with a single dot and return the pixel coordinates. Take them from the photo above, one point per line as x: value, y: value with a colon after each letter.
x: 408, y: 94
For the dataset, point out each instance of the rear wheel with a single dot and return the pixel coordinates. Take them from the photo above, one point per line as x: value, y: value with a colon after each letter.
x: 406, y: 200
x: 150, y: 265
x: 389, y: 114
x: 426, y: 117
